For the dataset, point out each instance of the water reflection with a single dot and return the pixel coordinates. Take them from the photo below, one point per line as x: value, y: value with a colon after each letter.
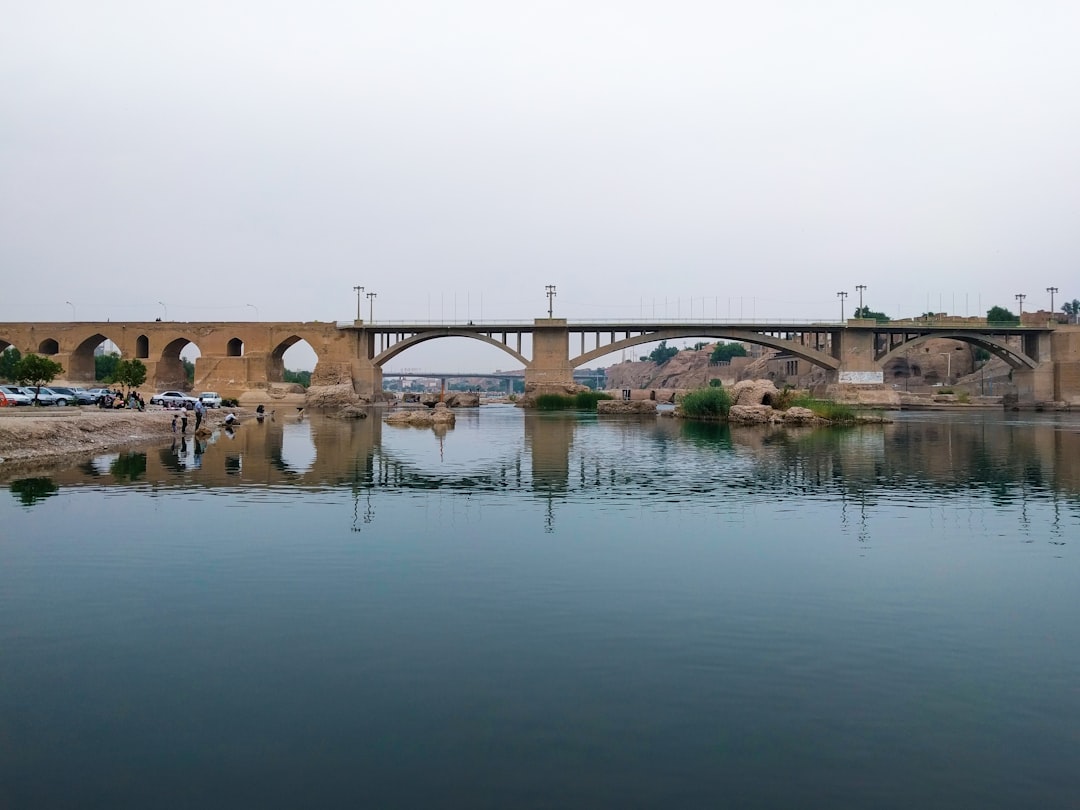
x: 558, y: 457
x: 31, y: 490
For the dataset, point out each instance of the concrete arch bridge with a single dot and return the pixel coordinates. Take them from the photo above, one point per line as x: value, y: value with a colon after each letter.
x: 240, y: 356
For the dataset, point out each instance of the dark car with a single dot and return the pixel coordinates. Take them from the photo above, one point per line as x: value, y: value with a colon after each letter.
x: 75, y: 396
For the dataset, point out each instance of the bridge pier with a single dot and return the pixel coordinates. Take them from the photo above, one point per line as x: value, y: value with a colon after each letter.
x: 550, y: 364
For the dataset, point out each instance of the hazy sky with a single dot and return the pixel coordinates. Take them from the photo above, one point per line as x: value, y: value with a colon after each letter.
x: 755, y: 158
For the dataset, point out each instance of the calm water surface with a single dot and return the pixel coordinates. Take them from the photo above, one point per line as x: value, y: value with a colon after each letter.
x: 538, y: 610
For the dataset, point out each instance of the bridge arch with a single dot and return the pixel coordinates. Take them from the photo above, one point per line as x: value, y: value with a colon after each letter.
x: 814, y: 356
x: 170, y: 367
x: 393, y: 351
x: 993, y: 344
x: 142, y: 347
x: 275, y: 371
x: 234, y: 348
x: 81, y: 364
x: 49, y: 346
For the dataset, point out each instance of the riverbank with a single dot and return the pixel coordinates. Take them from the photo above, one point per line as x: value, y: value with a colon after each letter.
x: 30, y: 435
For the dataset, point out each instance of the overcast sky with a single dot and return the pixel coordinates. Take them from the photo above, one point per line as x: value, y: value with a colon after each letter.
x: 227, y: 160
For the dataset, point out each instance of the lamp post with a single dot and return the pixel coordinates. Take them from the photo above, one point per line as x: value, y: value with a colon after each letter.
x: 72, y: 309
x: 841, y: 295
x: 371, y: 306
x: 359, y: 292
x: 254, y: 308
x: 948, y: 367
x: 860, y: 288
x: 1020, y: 297
x: 164, y: 308
x: 1051, y: 290
x: 550, y: 290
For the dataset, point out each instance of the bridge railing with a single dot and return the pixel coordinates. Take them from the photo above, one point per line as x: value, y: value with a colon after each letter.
x: 615, y: 323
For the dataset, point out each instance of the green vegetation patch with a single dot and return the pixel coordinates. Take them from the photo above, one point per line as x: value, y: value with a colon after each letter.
x: 826, y: 409
x: 706, y: 403
x: 583, y: 401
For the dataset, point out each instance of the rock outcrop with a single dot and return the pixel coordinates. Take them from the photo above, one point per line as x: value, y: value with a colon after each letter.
x: 422, y: 417
x: 339, y: 395
x: 626, y: 406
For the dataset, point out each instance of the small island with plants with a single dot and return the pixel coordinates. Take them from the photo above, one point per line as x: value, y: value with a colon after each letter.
x: 759, y: 402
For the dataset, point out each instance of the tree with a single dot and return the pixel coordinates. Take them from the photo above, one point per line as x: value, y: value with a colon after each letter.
x: 130, y: 373
x: 9, y: 362
x: 105, y: 366
x: 301, y: 377
x: 189, y: 370
x: 1069, y: 308
x: 662, y: 353
x: 35, y: 371
x: 869, y: 314
x: 1000, y: 315
x: 725, y: 351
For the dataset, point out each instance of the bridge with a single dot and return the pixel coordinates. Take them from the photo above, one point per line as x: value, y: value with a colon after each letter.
x: 240, y: 356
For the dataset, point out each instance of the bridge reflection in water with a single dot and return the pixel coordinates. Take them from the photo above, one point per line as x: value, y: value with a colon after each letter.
x: 625, y: 463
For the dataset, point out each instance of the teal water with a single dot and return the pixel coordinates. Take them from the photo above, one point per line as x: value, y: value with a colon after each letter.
x: 549, y: 610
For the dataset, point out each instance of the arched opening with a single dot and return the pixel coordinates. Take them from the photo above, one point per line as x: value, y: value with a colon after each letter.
x: 292, y: 361
x: 48, y: 347
x: 94, y: 361
x: 142, y: 347
x: 235, y: 348
x: 453, y: 358
x: 176, y: 368
x: 9, y: 356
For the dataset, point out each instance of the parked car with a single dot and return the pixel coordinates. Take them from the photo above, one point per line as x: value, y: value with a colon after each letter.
x: 173, y: 399
x: 44, y: 396
x: 211, y: 399
x: 75, y: 396
x: 15, y: 395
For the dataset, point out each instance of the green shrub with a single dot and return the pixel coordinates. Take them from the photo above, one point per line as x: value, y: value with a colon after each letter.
x: 826, y: 409
x: 554, y: 402
x: 586, y: 400
x: 706, y: 403
x: 583, y: 401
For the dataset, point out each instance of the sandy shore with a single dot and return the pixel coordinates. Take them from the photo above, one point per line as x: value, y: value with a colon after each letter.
x: 32, y: 435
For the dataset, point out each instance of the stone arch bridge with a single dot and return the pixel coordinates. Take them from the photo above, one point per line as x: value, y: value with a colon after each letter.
x: 240, y: 356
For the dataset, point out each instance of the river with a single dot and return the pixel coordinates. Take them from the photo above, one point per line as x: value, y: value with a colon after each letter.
x: 550, y: 610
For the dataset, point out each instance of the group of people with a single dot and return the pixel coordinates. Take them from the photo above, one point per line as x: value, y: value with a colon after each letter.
x: 198, y: 410
x: 115, y: 399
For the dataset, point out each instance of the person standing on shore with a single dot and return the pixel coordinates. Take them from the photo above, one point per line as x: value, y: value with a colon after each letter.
x: 200, y: 411
x: 183, y: 421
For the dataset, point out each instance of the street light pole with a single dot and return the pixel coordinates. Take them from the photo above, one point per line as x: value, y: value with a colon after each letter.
x: 72, y: 309
x: 1051, y: 290
x: 841, y: 295
x: 1020, y: 297
x: 948, y: 367
x: 550, y: 289
x: 860, y: 288
x: 371, y: 306
x: 164, y: 308
x: 359, y: 291
x: 254, y: 308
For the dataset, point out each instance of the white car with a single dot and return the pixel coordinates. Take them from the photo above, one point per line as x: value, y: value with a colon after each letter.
x: 211, y: 399
x: 15, y: 394
x: 173, y: 399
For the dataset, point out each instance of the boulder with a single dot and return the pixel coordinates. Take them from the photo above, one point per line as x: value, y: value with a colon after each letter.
x: 625, y: 406
x: 331, y: 396
x: 799, y: 416
x: 440, y: 415
x: 754, y: 415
